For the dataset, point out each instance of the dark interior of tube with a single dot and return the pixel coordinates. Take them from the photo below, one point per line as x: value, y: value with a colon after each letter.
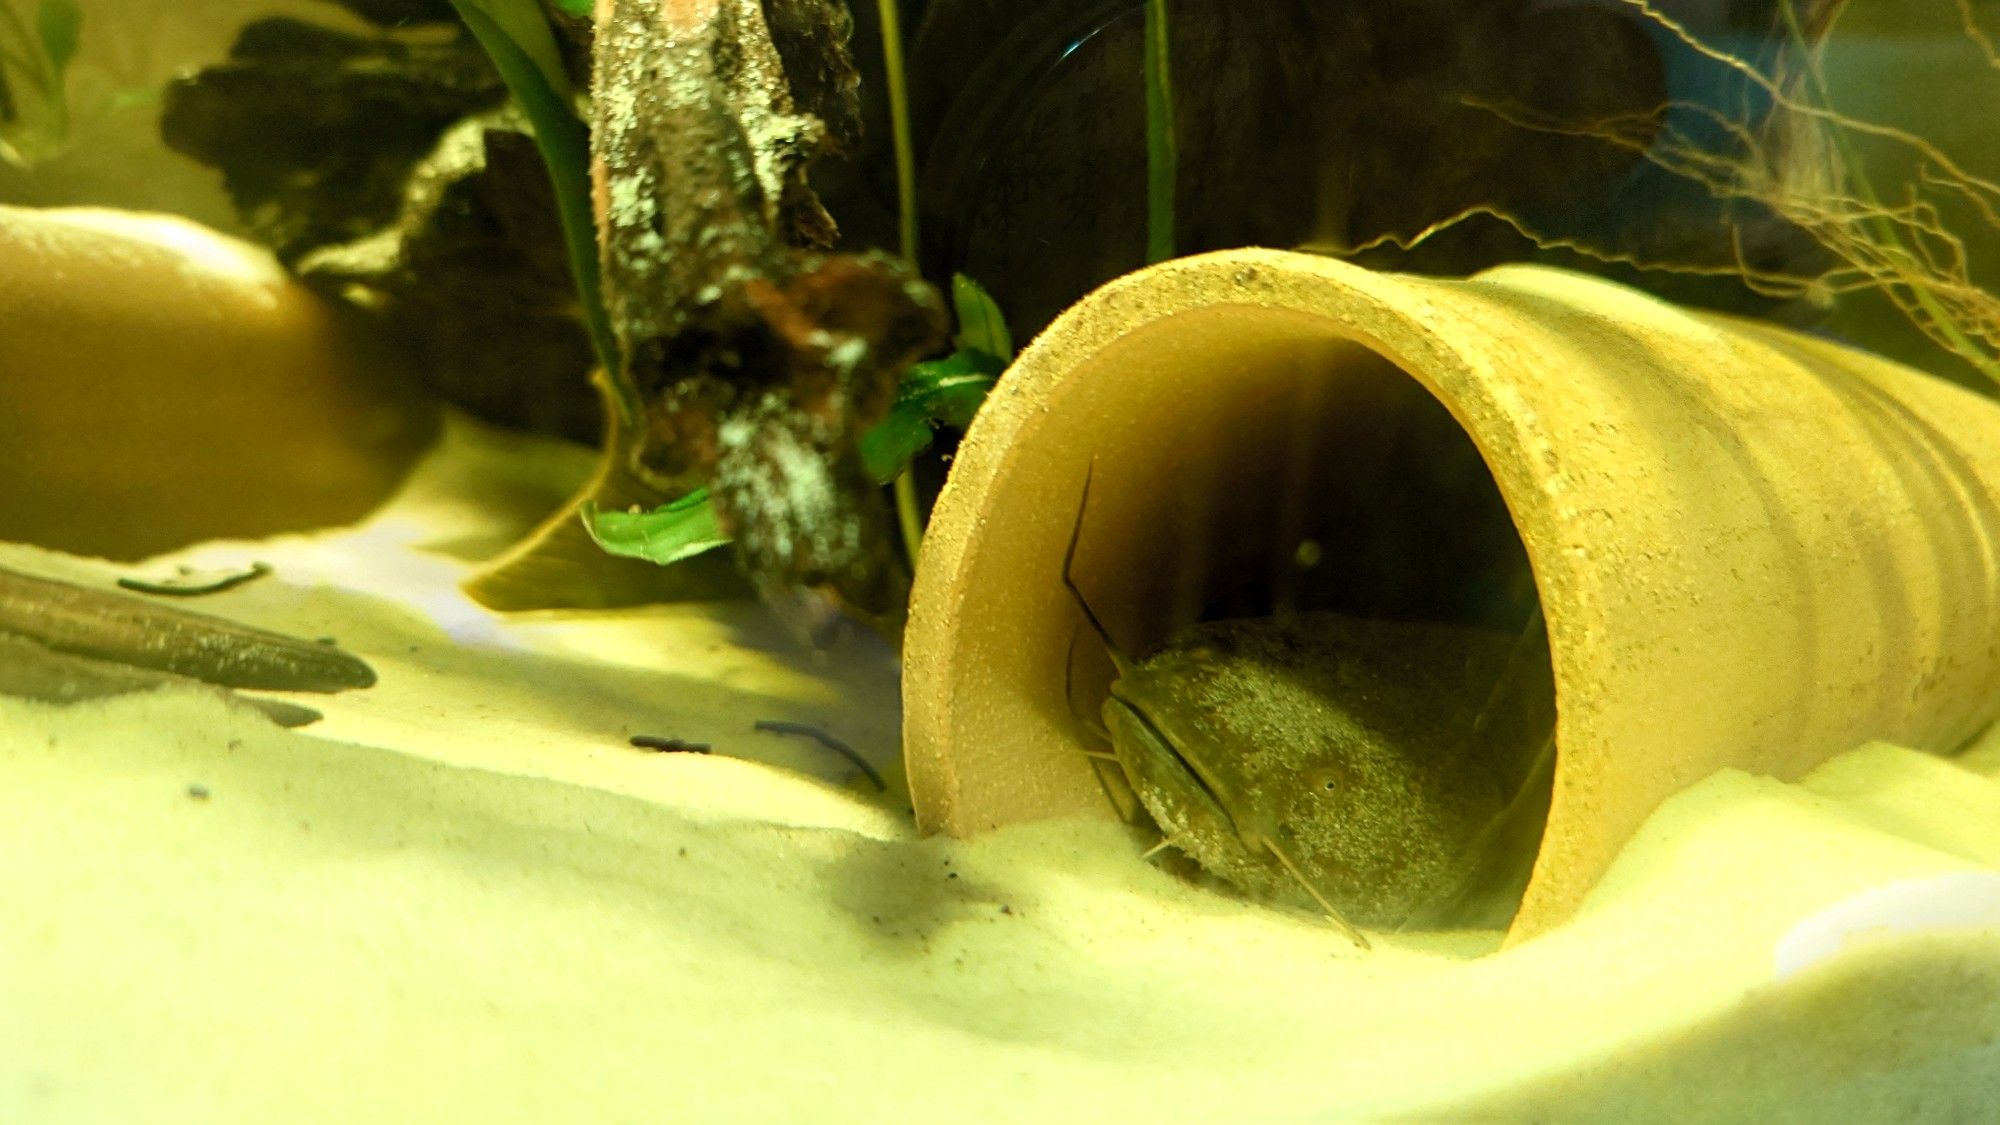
x: 1339, y: 484
x: 1373, y: 503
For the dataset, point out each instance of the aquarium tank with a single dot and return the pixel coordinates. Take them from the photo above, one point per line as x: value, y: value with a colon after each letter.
x: 868, y: 560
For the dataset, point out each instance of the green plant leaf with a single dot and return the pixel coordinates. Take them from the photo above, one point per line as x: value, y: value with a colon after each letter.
x: 666, y: 535
x: 949, y: 390
x: 59, y: 23
x: 564, y: 141
x: 944, y: 391
x: 34, y: 111
x: 521, y: 23
x: 937, y: 392
x: 981, y: 325
x: 581, y: 8
x: 893, y: 444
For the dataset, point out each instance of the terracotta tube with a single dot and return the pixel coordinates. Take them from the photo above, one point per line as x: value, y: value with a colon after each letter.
x: 1753, y: 548
x: 162, y: 384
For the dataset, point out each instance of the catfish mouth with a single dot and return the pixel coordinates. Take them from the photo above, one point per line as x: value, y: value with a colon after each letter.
x: 1161, y: 749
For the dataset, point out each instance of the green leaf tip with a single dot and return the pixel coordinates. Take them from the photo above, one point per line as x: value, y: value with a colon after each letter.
x: 664, y: 536
x: 937, y: 392
x: 944, y: 391
x: 59, y: 23
x: 522, y: 23
x: 893, y: 444
x: 982, y: 327
x: 515, y: 35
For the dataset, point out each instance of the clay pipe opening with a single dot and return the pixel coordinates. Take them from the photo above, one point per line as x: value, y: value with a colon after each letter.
x: 1754, y: 549
x: 1341, y: 487
x: 1245, y: 461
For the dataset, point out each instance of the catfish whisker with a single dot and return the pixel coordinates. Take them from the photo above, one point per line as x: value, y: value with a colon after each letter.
x: 1332, y: 915
x: 1097, y: 728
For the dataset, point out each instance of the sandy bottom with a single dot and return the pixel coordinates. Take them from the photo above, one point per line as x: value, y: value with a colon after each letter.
x: 463, y: 896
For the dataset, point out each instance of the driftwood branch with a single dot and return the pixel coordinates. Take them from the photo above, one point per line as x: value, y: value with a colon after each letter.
x: 760, y: 357
x: 64, y: 643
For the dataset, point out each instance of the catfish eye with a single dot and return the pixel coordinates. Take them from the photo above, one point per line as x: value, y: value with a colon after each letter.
x: 1327, y: 781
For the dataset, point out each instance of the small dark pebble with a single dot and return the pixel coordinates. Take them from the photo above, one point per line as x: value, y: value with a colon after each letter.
x: 669, y: 745
x: 952, y: 875
x: 198, y: 792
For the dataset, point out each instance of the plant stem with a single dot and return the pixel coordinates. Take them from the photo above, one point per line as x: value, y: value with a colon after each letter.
x: 1162, y: 155
x: 908, y: 517
x: 899, y: 124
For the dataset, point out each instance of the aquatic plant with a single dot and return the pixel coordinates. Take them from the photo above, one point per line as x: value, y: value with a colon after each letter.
x: 937, y: 392
x: 34, y: 62
x: 946, y: 391
x: 517, y: 37
x: 1750, y: 152
x: 899, y: 124
x: 908, y: 520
